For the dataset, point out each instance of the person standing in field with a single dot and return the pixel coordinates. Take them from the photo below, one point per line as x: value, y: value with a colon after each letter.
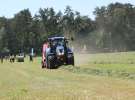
x: 31, y: 58
x: 31, y: 54
x: 1, y: 57
x: 45, y: 46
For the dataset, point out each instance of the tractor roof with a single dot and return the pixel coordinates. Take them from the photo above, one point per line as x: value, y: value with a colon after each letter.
x: 55, y: 38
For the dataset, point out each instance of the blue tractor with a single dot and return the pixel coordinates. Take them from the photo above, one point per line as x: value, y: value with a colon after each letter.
x: 57, y: 53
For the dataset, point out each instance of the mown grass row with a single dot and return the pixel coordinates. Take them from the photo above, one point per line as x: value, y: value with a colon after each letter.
x: 112, y: 58
x: 120, y: 65
x: 101, y: 72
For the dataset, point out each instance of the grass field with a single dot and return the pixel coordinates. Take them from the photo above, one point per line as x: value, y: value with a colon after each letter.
x: 108, y: 76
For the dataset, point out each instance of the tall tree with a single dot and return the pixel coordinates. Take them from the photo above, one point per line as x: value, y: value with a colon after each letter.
x: 22, y: 27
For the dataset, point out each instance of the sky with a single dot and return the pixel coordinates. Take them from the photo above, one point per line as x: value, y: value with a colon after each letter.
x: 86, y: 7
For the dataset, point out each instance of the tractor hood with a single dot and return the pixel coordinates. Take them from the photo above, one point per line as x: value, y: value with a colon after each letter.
x: 60, y: 50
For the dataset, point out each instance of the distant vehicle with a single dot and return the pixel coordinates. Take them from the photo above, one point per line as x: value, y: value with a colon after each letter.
x: 20, y: 57
x: 57, y: 53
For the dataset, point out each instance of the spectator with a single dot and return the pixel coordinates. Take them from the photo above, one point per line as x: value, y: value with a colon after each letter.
x: 31, y: 57
x: 1, y: 57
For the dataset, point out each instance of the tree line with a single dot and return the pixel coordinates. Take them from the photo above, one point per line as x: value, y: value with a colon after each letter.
x: 112, y: 30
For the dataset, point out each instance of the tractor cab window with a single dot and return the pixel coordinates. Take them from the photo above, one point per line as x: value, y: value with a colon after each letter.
x: 60, y: 42
x: 54, y: 43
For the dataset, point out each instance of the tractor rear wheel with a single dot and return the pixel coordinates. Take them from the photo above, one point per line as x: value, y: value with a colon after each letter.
x: 50, y: 62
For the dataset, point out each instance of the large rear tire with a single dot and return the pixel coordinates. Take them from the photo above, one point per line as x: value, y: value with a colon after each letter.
x: 51, y: 62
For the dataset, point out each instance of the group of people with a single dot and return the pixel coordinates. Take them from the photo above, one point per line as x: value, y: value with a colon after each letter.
x: 12, y: 57
x: 9, y: 57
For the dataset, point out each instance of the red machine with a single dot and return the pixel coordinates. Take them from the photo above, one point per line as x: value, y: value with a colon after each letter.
x: 45, y: 46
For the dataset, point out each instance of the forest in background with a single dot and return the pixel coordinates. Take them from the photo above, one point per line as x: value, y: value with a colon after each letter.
x: 112, y: 30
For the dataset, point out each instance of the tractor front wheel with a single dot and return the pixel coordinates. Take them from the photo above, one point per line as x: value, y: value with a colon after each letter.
x: 70, y: 61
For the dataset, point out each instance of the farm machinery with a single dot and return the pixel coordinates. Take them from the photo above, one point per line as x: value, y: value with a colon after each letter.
x: 56, y: 52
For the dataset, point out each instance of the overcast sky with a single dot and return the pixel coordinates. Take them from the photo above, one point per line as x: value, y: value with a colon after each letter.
x: 9, y: 7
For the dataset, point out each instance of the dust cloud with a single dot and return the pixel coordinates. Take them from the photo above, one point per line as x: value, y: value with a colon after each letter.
x: 82, y: 59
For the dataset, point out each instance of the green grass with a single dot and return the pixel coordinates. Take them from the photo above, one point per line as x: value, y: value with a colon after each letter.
x: 119, y: 65
x: 108, y: 76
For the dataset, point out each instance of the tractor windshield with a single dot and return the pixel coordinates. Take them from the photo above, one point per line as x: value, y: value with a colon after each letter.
x: 60, y: 42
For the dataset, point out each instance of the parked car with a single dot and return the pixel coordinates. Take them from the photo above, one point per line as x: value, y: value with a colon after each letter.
x: 20, y: 57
